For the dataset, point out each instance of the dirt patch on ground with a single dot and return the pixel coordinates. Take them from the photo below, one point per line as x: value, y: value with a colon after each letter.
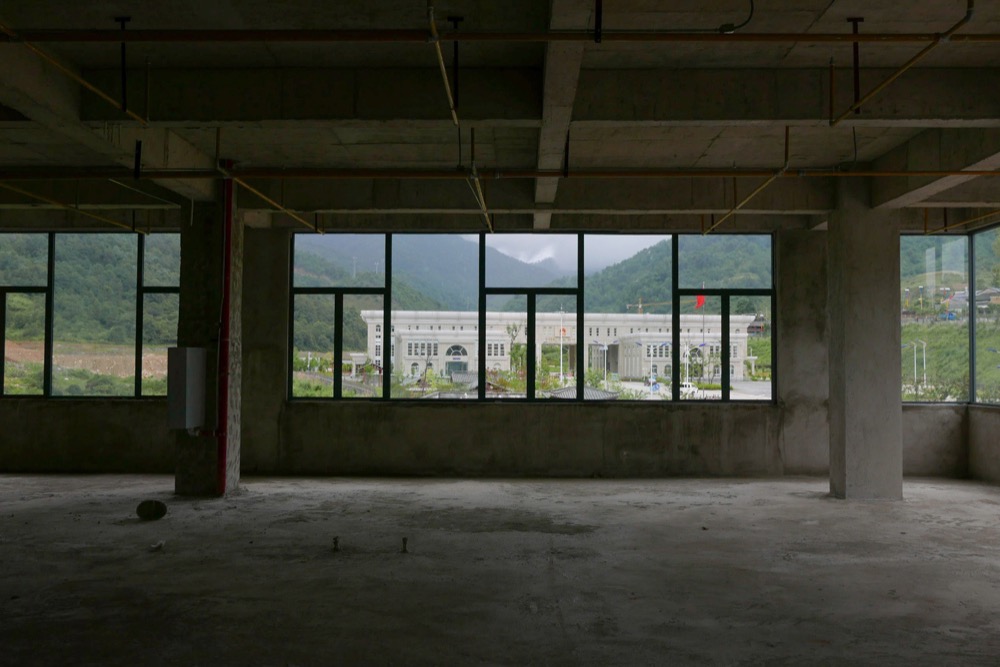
x: 116, y: 360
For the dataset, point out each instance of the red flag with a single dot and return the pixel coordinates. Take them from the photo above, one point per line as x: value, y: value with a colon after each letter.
x: 699, y: 301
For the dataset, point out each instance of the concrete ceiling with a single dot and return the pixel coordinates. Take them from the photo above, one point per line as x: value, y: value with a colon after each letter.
x: 719, y: 105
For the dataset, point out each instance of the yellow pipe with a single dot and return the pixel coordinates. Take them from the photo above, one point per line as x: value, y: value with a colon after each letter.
x: 52, y: 60
x: 69, y: 207
x: 909, y: 63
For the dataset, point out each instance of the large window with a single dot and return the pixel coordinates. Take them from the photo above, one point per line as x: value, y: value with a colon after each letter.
x: 723, y: 319
x: 532, y: 317
x: 434, y: 330
x: 339, y: 321
x: 934, y: 318
x: 986, y: 300
x: 628, y: 294
x: 87, y: 314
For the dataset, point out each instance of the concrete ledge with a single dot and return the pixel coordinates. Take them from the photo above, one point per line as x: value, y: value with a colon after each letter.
x: 85, y: 435
x: 935, y: 439
x: 984, y: 442
x: 540, y: 439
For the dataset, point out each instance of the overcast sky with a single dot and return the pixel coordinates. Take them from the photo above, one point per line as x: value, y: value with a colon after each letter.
x: 600, y: 250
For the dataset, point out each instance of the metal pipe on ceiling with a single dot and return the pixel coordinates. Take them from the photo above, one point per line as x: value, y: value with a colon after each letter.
x: 420, y: 36
x: 760, y: 188
x: 967, y: 221
x: 436, y: 41
x: 68, y: 71
x: 938, y: 39
x: 321, y: 174
x: 68, y: 207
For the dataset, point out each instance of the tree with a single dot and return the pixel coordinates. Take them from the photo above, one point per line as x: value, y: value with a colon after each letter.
x: 513, y: 329
x: 996, y: 265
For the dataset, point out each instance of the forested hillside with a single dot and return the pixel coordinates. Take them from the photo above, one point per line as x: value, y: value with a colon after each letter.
x: 95, y: 286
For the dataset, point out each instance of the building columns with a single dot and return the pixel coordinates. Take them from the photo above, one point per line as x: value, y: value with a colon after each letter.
x: 866, y: 459
x: 208, y: 460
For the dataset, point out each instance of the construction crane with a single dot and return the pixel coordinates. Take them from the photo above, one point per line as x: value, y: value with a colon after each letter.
x: 639, y: 306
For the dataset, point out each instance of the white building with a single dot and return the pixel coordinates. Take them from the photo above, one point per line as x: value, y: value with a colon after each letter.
x: 624, y: 345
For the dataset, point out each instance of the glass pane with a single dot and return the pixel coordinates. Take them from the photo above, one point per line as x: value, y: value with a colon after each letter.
x: 435, y: 316
x: 555, y: 347
x: 361, y: 374
x: 719, y: 261
x: 339, y: 260
x: 162, y: 266
x: 313, y: 345
x: 24, y: 259
x: 531, y: 260
x: 750, y: 348
x: 94, y: 315
x: 987, y: 291
x: 506, y: 346
x: 934, y: 319
x: 701, y: 348
x: 627, y: 321
x: 159, y: 331
x: 24, y: 344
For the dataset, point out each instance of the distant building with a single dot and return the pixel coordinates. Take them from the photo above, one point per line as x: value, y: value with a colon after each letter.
x: 629, y: 346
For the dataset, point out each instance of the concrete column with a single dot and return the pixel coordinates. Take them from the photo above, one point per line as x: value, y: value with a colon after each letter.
x: 866, y: 455
x: 197, y: 464
x: 265, y: 352
x: 802, y: 351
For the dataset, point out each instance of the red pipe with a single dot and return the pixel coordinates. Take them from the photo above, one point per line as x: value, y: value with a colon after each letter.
x: 222, y: 430
x: 418, y: 36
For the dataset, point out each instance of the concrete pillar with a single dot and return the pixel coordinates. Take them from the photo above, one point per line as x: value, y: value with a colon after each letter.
x: 197, y: 464
x: 265, y: 352
x: 801, y: 350
x: 866, y: 454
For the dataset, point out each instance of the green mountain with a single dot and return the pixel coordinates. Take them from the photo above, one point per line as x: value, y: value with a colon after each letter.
x: 716, y: 261
x: 95, y: 287
x: 444, y: 267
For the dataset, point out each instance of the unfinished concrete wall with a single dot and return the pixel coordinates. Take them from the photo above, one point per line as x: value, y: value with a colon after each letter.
x: 802, y: 351
x: 935, y: 440
x: 85, y: 435
x: 984, y: 442
x: 494, y: 439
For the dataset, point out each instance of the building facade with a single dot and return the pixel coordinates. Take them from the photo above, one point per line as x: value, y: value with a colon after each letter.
x: 624, y: 346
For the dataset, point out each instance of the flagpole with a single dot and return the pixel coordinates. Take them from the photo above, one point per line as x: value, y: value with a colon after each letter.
x: 703, y: 350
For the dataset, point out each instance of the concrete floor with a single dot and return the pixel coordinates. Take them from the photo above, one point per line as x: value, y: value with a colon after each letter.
x: 667, y: 572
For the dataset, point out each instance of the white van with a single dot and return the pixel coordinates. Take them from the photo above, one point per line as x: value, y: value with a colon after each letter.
x: 688, y: 390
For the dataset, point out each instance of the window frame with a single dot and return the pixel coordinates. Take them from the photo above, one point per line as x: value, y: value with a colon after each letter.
x: 531, y: 294
x: 339, y: 292
x: 141, y: 290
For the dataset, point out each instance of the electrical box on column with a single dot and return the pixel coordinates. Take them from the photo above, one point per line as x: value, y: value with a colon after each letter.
x: 186, y: 387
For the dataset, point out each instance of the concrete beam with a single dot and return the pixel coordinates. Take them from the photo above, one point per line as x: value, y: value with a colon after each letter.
x: 46, y: 220
x: 921, y: 98
x: 982, y: 192
x: 789, y: 196
x: 677, y: 222
x: 794, y: 196
x: 562, y: 72
x: 87, y: 195
x: 935, y: 149
x: 38, y: 91
x: 958, y: 97
x: 220, y: 96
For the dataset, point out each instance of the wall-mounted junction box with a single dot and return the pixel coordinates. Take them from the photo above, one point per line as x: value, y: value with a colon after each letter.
x: 186, y: 387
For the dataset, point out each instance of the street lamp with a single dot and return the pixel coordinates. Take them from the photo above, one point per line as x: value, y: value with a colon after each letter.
x: 915, y: 360
x: 561, y: 346
x: 604, y: 348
